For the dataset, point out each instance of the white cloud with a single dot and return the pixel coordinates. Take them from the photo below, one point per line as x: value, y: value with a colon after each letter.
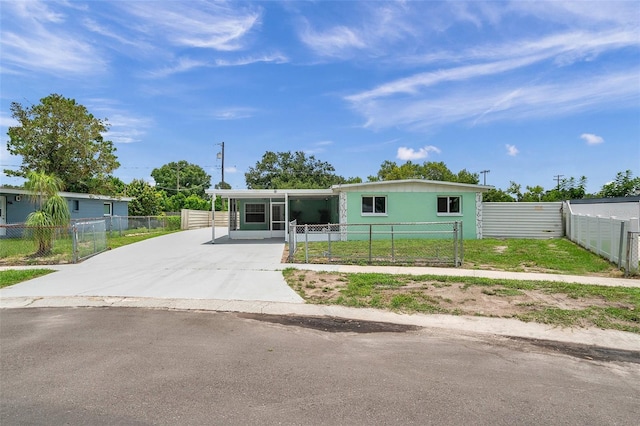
x: 124, y: 126
x: 219, y: 26
x: 180, y: 66
x: 236, y: 113
x: 405, y: 153
x: 49, y: 50
x: 318, y: 147
x: 276, y: 58
x: 512, y: 150
x: 231, y: 169
x: 591, y: 139
x: 379, y: 25
x: 504, y: 100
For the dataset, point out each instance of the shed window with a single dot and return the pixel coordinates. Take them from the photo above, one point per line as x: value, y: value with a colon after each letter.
x: 255, y: 213
x: 374, y: 205
x: 107, y: 209
x: 76, y: 205
x: 449, y: 205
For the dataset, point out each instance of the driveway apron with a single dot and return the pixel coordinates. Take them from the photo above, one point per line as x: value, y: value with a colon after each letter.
x: 180, y: 265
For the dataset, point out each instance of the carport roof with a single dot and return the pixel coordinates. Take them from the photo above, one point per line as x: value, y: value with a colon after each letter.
x: 270, y: 193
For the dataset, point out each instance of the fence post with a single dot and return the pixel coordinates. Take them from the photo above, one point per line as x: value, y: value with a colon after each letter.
x: 74, y: 242
x: 393, y: 251
x: 621, y: 245
x: 329, y: 242
x: 306, y: 243
x: 148, y: 223
x: 370, y: 240
x: 455, y: 244
x: 461, y: 254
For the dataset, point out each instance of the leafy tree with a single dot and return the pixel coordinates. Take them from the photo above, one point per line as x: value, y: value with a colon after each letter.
x: 624, y: 185
x: 182, y: 177
x: 429, y: 170
x: 60, y: 137
x: 277, y: 170
x: 52, y: 210
x: 515, y: 189
x: 534, y: 193
x: 146, y: 200
x: 496, y: 195
x: 568, y: 189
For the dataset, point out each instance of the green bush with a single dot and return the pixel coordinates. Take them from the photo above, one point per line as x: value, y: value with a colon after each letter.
x: 173, y: 223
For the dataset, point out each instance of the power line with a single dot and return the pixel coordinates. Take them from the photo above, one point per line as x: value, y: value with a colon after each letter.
x: 484, y: 176
x: 557, y: 178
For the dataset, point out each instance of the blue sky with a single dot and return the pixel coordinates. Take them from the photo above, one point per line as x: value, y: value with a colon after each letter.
x: 527, y: 90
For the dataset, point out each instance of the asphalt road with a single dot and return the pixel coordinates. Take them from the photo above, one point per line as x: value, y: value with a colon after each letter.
x: 135, y: 366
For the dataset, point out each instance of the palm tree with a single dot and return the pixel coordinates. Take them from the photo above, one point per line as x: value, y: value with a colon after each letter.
x: 52, y: 211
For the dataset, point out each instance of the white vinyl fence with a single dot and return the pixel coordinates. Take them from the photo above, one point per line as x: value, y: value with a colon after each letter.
x: 612, y: 238
x: 192, y: 219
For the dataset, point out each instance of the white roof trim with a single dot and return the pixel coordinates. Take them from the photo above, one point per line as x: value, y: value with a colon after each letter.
x: 19, y: 191
x: 480, y: 188
x: 270, y: 193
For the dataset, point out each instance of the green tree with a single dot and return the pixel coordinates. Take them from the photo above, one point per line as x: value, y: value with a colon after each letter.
x: 181, y: 177
x: 277, y: 170
x: 51, y: 210
x: 496, y: 195
x: 568, y: 189
x: 534, y: 193
x: 60, y: 137
x: 624, y: 185
x: 515, y: 189
x: 429, y: 170
x: 146, y: 201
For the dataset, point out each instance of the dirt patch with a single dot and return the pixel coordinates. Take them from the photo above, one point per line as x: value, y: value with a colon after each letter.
x: 445, y: 297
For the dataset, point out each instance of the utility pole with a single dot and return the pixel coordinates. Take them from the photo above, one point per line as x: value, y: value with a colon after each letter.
x: 484, y: 176
x: 557, y: 178
x: 220, y: 156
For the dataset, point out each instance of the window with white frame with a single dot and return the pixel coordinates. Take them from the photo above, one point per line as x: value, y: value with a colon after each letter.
x: 449, y: 205
x: 374, y: 205
x: 255, y: 213
x: 107, y: 209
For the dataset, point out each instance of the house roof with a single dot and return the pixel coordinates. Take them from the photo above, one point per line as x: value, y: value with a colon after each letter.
x: 412, y: 182
x: 20, y: 191
x: 406, y: 184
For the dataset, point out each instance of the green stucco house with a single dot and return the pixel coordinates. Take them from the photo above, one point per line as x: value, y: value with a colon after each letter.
x: 266, y: 213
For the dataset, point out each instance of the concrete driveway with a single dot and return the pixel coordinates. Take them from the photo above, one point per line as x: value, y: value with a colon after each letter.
x: 180, y: 265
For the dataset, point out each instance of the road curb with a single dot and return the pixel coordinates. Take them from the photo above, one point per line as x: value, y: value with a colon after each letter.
x: 495, y: 326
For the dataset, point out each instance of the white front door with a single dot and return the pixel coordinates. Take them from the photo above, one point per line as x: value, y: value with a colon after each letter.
x: 3, y: 215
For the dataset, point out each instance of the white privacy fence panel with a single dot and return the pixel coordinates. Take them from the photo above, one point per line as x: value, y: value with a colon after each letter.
x: 614, y: 239
x: 522, y: 220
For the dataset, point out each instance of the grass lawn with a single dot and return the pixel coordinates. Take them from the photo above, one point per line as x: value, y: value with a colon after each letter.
x: 559, y: 304
x: 559, y: 256
x: 20, y: 251
x: 14, y: 276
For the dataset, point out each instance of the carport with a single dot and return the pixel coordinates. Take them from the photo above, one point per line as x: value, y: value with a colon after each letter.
x: 266, y: 213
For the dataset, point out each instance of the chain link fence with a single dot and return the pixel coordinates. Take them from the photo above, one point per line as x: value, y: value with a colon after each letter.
x: 418, y: 243
x: 89, y: 238
x: 82, y: 238
x: 632, y: 258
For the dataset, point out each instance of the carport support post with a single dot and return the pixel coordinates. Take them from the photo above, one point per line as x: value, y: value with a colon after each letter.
x: 213, y: 218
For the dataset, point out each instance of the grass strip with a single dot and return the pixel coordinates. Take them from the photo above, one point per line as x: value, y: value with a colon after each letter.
x: 15, y: 276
